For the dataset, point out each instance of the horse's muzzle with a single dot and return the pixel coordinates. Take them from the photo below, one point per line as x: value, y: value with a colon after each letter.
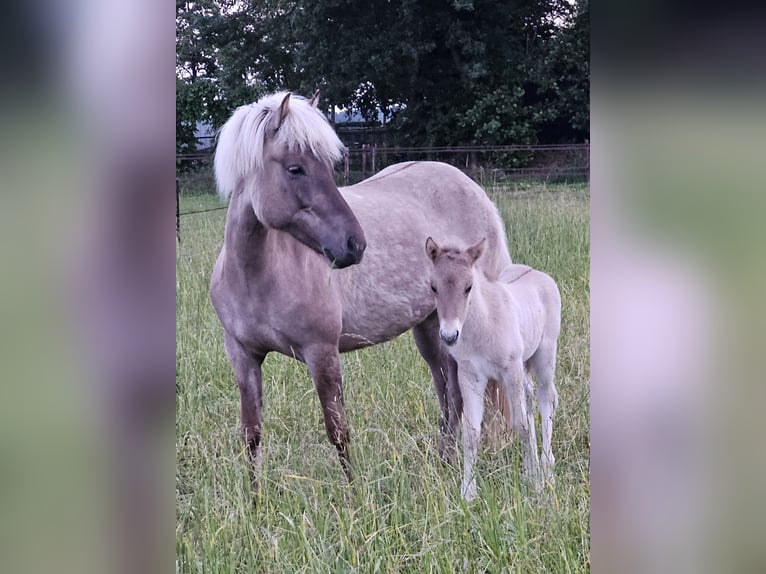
x: 449, y: 339
x: 354, y: 250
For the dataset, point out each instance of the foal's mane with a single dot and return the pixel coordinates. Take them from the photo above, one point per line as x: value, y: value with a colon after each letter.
x: 241, y: 139
x: 454, y: 254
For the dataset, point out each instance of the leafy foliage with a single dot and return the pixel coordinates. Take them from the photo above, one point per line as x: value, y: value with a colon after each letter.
x: 442, y: 73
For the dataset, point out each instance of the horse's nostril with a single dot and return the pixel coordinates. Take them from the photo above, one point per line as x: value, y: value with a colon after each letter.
x: 352, y: 245
x: 450, y: 339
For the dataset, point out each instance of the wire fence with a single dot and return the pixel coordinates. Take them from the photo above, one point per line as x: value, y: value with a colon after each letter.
x: 490, y: 166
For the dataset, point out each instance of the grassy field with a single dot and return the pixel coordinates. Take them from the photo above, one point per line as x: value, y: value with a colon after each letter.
x: 404, y: 512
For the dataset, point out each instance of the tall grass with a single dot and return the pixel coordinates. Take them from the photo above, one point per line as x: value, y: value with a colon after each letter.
x: 404, y: 512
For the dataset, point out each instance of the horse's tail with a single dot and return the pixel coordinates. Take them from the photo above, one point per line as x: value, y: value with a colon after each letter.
x: 498, y: 412
x: 498, y: 423
x: 503, y: 254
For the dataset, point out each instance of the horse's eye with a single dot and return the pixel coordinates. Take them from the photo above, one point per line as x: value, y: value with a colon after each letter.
x: 468, y: 289
x: 295, y: 170
x: 433, y: 288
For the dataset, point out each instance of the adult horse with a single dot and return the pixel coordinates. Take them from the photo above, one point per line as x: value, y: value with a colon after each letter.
x: 309, y: 270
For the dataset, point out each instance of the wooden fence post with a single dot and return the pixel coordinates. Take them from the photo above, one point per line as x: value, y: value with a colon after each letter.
x: 346, y: 167
x: 178, y: 211
x: 373, y: 159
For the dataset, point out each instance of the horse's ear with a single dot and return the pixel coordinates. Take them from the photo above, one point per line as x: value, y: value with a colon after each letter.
x: 432, y: 249
x: 284, y: 107
x: 477, y: 250
x: 314, y: 101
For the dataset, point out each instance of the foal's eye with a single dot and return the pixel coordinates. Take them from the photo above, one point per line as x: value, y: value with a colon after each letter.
x: 468, y: 289
x: 295, y: 170
x: 433, y: 288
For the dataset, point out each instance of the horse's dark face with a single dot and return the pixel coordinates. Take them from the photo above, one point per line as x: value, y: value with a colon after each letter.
x: 298, y: 195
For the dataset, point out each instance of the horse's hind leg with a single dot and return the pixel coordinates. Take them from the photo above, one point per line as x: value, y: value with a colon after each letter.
x: 247, y: 372
x: 517, y: 387
x: 324, y: 365
x: 444, y: 375
x: 543, y: 365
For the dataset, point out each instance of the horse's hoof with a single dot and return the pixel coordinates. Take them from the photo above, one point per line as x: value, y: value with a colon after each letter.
x: 448, y: 456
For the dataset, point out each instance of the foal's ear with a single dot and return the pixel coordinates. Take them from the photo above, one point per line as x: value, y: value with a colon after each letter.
x: 432, y: 249
x: 314, y: 101
x: 477, y: 250
x: 284, y: 107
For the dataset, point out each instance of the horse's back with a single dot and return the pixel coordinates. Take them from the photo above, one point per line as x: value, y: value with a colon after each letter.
x: 536, y: 297
x: 419, y: 199
x: 428, y: 177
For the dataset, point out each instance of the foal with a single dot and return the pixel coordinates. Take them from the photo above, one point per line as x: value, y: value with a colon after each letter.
x: 499, y: 330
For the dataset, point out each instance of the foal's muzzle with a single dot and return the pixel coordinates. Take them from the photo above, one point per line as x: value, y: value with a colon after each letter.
x: 449, y: 339
x: 354, y: 250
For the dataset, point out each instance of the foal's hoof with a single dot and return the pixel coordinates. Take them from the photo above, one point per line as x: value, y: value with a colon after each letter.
x: 548, y: 475
x: 536, y: 483
x: 468, y: 492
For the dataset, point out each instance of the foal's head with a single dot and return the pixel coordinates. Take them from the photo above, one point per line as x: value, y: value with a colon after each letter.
x: 282, y: 151
x: 452, y: 281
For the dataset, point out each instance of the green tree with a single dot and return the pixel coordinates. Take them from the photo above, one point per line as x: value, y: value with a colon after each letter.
x: 445, y: 72
x: 567, y: 70
x: 197, y: 68
x: 467, y: 71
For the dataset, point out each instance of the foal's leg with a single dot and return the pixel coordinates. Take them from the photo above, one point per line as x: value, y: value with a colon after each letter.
x: 444, y: 376
x: 324, y: 365
x: 543, y: 365
x: 472, y: 387
x: 247, y: 371
x: 518, y: 389
x: 454, y: 395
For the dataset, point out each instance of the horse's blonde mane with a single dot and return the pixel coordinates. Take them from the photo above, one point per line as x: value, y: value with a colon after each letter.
x: 241, y: 139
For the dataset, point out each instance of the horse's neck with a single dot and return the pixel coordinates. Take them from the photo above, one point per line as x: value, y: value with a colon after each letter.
x: 244, y: 235
x: 478, y: 310
x: 487, y: 303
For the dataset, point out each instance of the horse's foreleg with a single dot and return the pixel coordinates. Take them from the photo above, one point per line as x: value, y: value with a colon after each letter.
x: 426, y: 336
x: 324, y: 366
x: 247, y: 371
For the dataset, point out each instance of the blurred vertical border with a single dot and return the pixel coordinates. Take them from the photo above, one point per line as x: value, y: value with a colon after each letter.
x: 677, y: 274
x: 87, y: 109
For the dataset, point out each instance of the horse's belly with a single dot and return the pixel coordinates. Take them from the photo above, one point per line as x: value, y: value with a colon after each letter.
x: 380, y: 319
x: 373, y: 329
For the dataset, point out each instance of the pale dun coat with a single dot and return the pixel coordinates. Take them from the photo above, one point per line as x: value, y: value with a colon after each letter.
x: 308, y: 270
x: 498, y: 330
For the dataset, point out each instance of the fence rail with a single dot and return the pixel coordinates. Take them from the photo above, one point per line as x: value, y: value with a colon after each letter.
x: 477, y: 149
x: 488, y: 165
